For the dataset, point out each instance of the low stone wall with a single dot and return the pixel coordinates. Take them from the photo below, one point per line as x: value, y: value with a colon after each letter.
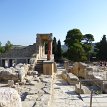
x: 82, y: 89
x: 78, y: 69
x: 70, y: 78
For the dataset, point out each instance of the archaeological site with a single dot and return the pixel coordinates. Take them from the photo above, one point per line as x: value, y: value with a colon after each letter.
x: 31, y: 78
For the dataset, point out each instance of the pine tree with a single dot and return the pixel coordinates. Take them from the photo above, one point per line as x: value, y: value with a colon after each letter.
x: 8, y: 46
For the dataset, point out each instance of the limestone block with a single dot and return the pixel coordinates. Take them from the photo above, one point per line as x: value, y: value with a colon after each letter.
x: 82, y: 90
x: 9, y: 97
x: 10, y: 83
x: 78, y: 90
x: 72, y: 79
x: 26, y: 68
x: 34, y: 73
x: 28, y: 78
x: 75, y: 68
x: 82, y: 71
x: 21, y: 73
x: 8, y: 74
x: 79, y: 69
x: 32, y: 60
x: 66, y: 64
x: 48, y: 67
x: 64, y: 75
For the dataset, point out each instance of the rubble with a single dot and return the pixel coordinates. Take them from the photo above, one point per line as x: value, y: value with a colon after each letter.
x: 9, y: 97
x: 17, y: 73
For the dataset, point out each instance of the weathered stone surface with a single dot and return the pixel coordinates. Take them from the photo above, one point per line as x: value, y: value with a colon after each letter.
x: 8, y: 74
x: 34, y: 73
x: 9, y: 98
x: 46, y: 90
x: 17, y: 73
x: 64, y: 75
x: 28, y: 104
x: 69, y: 77
x: 82, y: 89
x: 10, y: 83
x: 79, y: 69
x: 72, y: 79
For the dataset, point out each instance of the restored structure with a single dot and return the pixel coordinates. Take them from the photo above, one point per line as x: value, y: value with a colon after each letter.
x: 32, y: 55
x: 17, y: 55
x: 24, y: 54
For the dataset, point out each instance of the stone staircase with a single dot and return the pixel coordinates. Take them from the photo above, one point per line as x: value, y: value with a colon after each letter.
x: 39, y: 65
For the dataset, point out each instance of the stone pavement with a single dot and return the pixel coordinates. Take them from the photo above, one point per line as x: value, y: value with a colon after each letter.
x: 62, y: 94
x: 97, y: 100
x: 37, y: 94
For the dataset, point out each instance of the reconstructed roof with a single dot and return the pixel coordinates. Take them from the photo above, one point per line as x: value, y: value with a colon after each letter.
x: 27, y: 51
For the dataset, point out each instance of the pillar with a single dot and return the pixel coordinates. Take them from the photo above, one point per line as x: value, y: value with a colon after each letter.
x: 13, y: 62
x: 49, y: 50
x: 41, y: 50
x: 6, y: 63
x: 48, y: 67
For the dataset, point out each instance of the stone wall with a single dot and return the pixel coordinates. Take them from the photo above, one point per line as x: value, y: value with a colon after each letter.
x: 0, y: 63
x: 48, y: 67
x: 69, y: 77
x: 79, y: 69
x: 21, y: 61
x: 19, y: 53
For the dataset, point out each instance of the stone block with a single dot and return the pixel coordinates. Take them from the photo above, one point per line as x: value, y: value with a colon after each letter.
x: 9, y: 97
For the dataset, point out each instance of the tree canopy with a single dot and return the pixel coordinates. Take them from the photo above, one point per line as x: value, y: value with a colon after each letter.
x: 79, y: 45
x: 5, y: 48
x: 101, y: 49
x: 87, y: 44
x: 88, y: 38
x: 73, y: 36
x: 56, y: 49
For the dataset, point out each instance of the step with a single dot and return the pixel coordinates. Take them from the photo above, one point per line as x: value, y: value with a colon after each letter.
x: 39, y: 64
x: 40, y: 60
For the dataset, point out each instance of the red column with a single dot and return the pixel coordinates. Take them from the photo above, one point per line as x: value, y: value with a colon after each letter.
x: 49, y: 50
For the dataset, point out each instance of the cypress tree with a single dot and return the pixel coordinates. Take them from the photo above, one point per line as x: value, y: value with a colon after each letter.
x: 59, y: 51
x: 102, y: 49
x: 54, y: 48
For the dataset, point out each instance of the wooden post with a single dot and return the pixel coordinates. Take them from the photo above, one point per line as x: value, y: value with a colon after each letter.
x: 91, y: 98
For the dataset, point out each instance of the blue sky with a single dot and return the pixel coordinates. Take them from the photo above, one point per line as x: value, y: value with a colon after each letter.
x: 21, y: 20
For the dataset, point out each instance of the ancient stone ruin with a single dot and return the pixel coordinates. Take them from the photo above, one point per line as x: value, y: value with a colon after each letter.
x: 30, y: 78
x: 22, y: 68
